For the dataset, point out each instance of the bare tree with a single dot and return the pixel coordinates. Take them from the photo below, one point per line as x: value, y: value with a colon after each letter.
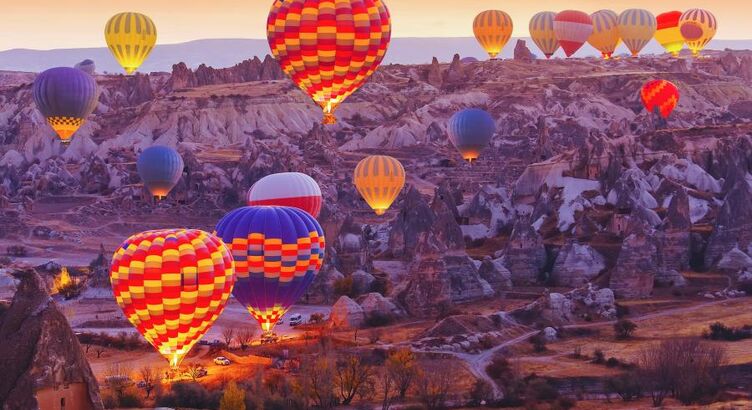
x: 150, y: 377
x: 99, y: 349
x: 432, y: 388
x: 402, y: 368
x: 687, y: 368
x: 245, y: 337
x: 195, y: 371
x: 353, y: 377
x: 319, y: 375
x: 387, y: 390
x: 228, y: 334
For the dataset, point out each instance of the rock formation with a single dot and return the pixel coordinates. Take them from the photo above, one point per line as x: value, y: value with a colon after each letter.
x: 636, y: 266
x: 521, y: 52
x: 576, y: 265
x: 42, y: 361
x: 733, y: 227
x: 525, y: 254
x: 347, y: 314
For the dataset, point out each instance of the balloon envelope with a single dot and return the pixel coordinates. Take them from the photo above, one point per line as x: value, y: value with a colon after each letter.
x: 493, y: 29
x: 542, y: 32
x: 605, y: 37
x: 65, y: 96
x: 160, y: 169
x: 287, y: 189
x: 278, y: 252
x: 661, y: 96
x: 379, y: 180
x: 668, y: 33
x: 172, y: 285
x: 572, y: 29
x: 698, y: 27
x: 329, y: 49
x: 470, y: 131
x: 130, y: 37
x: 636, y: 28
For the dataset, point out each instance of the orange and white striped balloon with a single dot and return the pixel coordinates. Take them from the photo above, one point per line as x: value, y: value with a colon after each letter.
x: 493, y: 29
x: 636, y: 28
x: 379, y: 179
x: 172, y: 285
x: 542, y: 32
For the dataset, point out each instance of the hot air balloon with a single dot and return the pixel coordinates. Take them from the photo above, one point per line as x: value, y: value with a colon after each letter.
x: 65, y: 96
x: 287, y: 189
x: 668, y: 33
x: 542, y: 32
x: 470, y: 131
x: 493, y: 29
x: 572, y: 28
x: 605, y: 37
x: 130, y: 37
x: 636, y: 29
x: 698, y: 27
x: 172, y: 285
x: 379, y: 179
x: 160, y: 169
x: 278, y: 252
x: 661, y: 96
x: 329, y: 49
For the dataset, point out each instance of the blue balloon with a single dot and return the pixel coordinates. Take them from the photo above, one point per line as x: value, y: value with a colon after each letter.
x: 65, y: 96
x: 470, y: 131
x: 160, y: 169
x: 278, y: 252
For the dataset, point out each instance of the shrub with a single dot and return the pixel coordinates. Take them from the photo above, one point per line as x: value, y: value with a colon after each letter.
x: 316, y: 318
x: 344, y: 287
x: 541, y: 390
x: 188, y: 394
x: 539, y: 342
x: 719, y: 331
x: 626, y: 385
x: 598, y: 356
x: 233, y: 398
x: 564, y: 403
x: 612, y: 362
x: 624, y: 328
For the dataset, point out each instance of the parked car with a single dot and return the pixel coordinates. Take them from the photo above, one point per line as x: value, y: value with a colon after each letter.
x: 296, y: 319
x: 222, y: 361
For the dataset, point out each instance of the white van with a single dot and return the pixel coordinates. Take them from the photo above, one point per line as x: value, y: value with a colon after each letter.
x: 296, y: 319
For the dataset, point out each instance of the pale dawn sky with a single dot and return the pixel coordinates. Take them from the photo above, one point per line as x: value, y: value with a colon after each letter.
x: 48, y: 24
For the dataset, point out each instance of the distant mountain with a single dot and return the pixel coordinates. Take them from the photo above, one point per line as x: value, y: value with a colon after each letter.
x: 227, y: 52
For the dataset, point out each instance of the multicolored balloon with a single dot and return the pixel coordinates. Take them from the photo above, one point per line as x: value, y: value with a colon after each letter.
x: 668, y: 33
x: 661, y: 96
x: 470, y: 131
x: 131, y: 38
x: 493, y: 29
x: 278, y: 252
x: 542, y: 32
x: 329, y: 49
x: 572, y: 29
x: 698, y: 27
x: 379, y: 180
x: 287, y: 189
x: 65, y: 96
x: 636, y: 28
x: 172, y: 285
x: 605, y: 37
x: 160, y: 169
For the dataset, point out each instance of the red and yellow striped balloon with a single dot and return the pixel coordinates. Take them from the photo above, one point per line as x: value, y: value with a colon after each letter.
x: 172, y: 285
x: 329, y: 48
x: 661, y: 95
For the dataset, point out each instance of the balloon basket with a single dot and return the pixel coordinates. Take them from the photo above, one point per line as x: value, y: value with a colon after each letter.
x: 329, y: 119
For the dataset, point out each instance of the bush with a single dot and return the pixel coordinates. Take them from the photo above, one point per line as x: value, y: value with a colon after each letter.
x: 188, y: 394
x: 598, y: 356
x: 71, y: 290
x: 130, y: 397
x: 626, y: 385
x: 539, y: 342
x: 541, y: 390
x: 564, y: 403
x: 344, y: 287
x: 719, y: 331
x: 233, y: 398
x: 624, y: 328
x: 612, y: 362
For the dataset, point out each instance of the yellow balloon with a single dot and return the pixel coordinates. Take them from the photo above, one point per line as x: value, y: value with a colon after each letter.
x: 542, y: 32
x: 130, y: 37
x: 605, y: 37
x: 379, y: 179
x: 636, y: 29
x: 493, y: 29
x: 698, y: 27
x: 668, y: 33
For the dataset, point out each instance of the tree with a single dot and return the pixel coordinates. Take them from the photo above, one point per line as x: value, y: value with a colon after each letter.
x: 195, y: 371
x: 432, y: 388
x: 402, y: 368
x: 245, y: 337
x: 99, y: 349
x: 624, y: 328
x: 539, y: 342
x: 353, y: 377
x: 480, y: 393
x: 387, y: 390
x: 319, y: 374
x: 233, y: 398
x: 688, y: 368
x: 626, y: 385
x: 228, y: 334
x: 149, y: 377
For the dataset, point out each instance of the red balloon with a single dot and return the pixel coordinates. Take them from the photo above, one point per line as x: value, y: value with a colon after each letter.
x: 661, y: 95
x: 572, y: 29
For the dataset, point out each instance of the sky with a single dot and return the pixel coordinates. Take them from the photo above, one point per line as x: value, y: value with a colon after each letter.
x: 49, y: 24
